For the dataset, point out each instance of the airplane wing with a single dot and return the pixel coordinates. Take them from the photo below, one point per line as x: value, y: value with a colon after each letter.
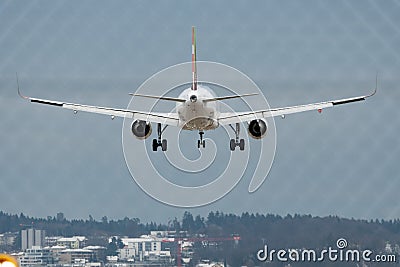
x: 237, y: 117
x: 164, y: 118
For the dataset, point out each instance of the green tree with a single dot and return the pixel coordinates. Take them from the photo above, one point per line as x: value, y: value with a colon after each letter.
x: 199, y: 223
x: 112, y: 247
x: 188, y: 222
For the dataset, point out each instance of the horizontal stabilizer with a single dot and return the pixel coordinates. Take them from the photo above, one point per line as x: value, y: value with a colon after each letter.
x: 175, y: 99
x: 227, y: 97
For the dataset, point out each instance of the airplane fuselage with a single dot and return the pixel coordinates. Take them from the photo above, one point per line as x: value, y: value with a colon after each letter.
x: 195, y: 114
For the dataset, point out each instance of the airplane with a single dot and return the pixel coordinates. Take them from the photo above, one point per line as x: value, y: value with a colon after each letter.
x: 196, y: 109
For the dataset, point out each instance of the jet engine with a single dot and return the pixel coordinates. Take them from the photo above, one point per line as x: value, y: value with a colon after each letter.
x: 257, y: 129
x: 141, y: 129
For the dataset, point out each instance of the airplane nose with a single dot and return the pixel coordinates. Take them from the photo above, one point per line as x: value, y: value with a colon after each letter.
x: 193, y: 98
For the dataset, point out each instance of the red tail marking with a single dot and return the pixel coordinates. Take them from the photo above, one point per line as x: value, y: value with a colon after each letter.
x: 194, y: 70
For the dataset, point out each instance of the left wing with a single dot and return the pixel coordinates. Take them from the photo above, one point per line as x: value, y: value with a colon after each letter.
x: 237, y: 117
x: 164, y: 118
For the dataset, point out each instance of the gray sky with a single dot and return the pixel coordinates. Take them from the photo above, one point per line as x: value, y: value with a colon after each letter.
x: 343, y: 162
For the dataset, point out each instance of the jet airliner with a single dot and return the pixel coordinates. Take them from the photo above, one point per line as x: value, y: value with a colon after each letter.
x: 197, y: 110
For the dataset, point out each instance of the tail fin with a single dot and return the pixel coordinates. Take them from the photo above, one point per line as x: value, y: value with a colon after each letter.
x: 194, y: 67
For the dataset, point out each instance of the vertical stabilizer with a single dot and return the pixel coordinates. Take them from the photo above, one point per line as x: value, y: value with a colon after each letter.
x: 194, y: 67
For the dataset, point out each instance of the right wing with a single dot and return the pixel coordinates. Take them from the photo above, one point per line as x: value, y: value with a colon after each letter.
x: 156, y: 117
x: 237, y: 117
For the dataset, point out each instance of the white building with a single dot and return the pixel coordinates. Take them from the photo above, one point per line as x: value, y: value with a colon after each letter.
x: 128, y: 252
x: 163, y: 234
x: 51, y: 241
x: 36, y: 256
x: 141, y: 248
x: 207, y: 263
x: 32, y: 237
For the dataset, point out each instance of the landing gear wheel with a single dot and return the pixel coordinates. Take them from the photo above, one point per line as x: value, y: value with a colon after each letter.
x: 241, y: 144
x: 232, y: 144
x: 236, y: 142
x: 158, y: 142
x: 164, y: 145
x: 201, y: 142
x: 155, y: 145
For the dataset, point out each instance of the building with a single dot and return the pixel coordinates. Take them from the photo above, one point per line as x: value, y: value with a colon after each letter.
x: 36, y: 256
x: 70, y: 256
x: 74, y: 242
x: 158, y: 256
x: 137, y: 247
x: 7, y: 239
x: 144, y: 248
x: 165, y: 234
x: 99, y: 252
x: 51, y: 241
x: 32, y: 237
x: 127, y: 253
x: 56, y: 251
x: 207, y: 263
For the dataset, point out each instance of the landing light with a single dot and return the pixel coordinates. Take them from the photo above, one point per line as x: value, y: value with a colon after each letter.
x: 193, y: 98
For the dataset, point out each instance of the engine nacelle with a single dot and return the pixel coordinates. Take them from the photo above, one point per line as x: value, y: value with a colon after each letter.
x: 257, y: 129
x: 141, y: 129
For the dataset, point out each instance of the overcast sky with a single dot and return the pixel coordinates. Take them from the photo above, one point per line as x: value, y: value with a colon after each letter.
x: 343, y: 162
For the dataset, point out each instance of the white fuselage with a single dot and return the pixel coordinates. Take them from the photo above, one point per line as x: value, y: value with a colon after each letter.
x: 194, y: 114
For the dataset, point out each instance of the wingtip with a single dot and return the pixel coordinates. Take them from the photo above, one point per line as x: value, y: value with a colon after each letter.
x: 376, y: 85
x: 374, y: 92
x: 19, y: 91
x: 375, y: 89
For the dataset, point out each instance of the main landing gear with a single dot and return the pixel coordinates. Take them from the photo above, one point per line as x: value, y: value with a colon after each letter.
x: 160, y: 142
x: 236, y: 142
x: 201, y: 142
